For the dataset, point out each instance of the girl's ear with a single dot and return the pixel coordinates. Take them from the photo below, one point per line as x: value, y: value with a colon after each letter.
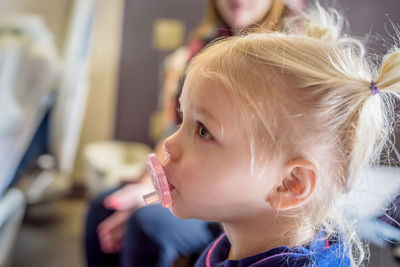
x: 297, y: 185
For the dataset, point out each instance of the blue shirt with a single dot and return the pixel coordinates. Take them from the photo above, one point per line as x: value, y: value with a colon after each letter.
x: 320, y: 252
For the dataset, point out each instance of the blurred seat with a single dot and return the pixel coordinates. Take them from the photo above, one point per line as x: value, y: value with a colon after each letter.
x: 12, y: 208
x: 110, y: 163
x: 29, y: 68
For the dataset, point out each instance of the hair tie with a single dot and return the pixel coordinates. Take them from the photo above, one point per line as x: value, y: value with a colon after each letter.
x: 374, y: 88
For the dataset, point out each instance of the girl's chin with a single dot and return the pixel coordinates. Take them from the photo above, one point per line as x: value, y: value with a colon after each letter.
x: 174, y: 194
x: 179, y: 213
x: 184, y: 212
x: 178, y: 208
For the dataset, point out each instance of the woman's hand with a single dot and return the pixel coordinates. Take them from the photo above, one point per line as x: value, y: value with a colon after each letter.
x: 129, y: 197
x: 112, y: 230
x: 125, y: 201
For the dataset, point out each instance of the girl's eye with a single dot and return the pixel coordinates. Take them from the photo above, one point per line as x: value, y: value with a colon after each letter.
x: 203, y: 133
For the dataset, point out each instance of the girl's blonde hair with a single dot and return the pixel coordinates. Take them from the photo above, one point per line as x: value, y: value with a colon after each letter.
x: 272, y: 20
x: 309, y: 95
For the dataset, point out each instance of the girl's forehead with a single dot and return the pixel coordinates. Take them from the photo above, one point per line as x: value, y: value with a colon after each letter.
x: 201, y: 89
x: 202, y: 93
x: 214, y: 105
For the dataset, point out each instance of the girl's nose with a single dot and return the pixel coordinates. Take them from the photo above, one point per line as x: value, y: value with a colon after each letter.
x: 172, y: 147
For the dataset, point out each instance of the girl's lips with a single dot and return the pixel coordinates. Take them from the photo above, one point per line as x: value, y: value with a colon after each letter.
x: 237, y: 6
x: 171, y: 186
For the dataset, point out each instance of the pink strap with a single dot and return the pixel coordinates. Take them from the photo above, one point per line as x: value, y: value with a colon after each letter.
x: 212, y: 249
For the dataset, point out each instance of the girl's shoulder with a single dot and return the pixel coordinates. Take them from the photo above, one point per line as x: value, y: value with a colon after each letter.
x: 320, y: 252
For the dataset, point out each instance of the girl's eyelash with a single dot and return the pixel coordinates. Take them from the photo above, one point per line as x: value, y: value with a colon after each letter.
x: 200, y: 126
x: 179, y: 111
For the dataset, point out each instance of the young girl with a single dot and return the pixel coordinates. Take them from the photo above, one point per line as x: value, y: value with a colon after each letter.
x: 125, y: 237
x: 275, y: 129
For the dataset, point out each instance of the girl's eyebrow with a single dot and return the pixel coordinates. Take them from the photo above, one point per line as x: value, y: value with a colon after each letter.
x: 199, y: 110
x: 219, y: 128
x: 207, y: 114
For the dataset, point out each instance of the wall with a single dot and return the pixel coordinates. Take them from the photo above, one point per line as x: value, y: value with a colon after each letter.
x: 139, y: 78
x: 55, y: 13
x: 99, y: 122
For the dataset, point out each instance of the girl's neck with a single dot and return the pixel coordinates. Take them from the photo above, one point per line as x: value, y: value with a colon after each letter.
x: 254, y: 236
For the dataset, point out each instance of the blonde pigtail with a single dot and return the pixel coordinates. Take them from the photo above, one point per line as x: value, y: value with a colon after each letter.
x: 388, y: 79
x: 375, y: 124
x: 377, y: 114
x: 323, y: 24
x: 318, y: 23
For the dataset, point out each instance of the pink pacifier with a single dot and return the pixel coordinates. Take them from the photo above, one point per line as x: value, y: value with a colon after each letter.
x: 162, y: 193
